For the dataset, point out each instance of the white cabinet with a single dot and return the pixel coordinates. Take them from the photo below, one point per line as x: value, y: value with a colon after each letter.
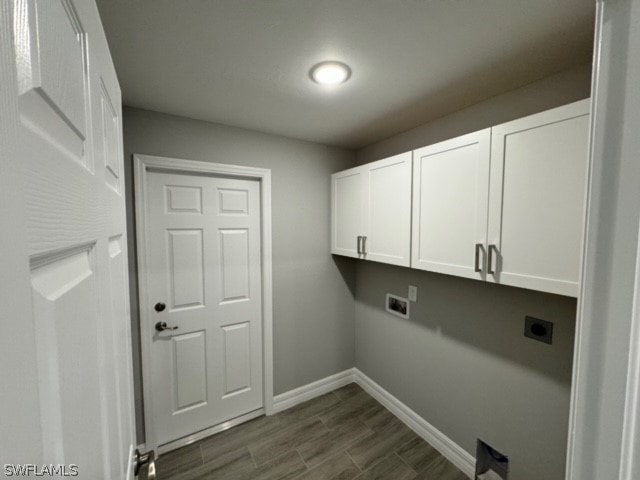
x: 536, y: 201
x: 505, y: 204
x: 450, y: 201
x: 371, y: 211
x: 348, y: 219
x: 388, y: 235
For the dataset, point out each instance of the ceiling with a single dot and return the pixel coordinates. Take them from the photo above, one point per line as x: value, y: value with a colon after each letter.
x: 246, y: 63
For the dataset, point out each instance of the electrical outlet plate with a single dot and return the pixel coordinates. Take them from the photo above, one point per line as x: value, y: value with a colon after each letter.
x: 538, y: 329
x: 413, y: 293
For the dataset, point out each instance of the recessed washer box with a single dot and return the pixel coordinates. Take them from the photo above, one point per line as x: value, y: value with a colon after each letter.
x: 397, y: 306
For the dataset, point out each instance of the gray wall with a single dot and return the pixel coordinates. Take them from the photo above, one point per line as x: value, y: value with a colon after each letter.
x: 462, y: 361
x: 313, y: 305
x: 565, y: 87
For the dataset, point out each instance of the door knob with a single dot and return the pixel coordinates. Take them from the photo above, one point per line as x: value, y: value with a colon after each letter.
x: 162, y: 326
x: 159, y: 307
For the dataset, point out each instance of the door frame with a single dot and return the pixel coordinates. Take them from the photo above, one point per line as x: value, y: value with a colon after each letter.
x: 604, y: 420
x: 176, y: 165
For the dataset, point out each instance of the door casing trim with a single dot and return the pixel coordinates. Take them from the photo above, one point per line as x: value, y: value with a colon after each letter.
x: 175, y: 165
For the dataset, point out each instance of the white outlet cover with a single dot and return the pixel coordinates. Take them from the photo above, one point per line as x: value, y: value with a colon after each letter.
x: 413, y: 293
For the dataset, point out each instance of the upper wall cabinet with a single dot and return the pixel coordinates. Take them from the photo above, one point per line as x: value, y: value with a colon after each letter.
x: 348, y: 204
x: 371, y: 211
x: 506, y: 204
x: 450, y: 201
x: 536, y: 200
x: 503, y: 205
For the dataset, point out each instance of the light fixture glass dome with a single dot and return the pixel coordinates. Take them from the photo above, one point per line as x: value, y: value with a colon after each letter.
x: 330, y: 73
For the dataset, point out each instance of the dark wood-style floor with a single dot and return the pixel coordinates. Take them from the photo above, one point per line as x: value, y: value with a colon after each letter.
x: 342, y: 435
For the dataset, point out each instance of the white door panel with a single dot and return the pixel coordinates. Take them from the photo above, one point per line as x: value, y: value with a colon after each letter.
x: 538, y: 172
x: 235, y: 266
x: 204, y: 257
x: 189, y: 382
x: 67, y: 328
x: 450, y: 202
x: 185, y: 268
x: 53, y: 87
x: 68, y: 152
x: 237, y: 358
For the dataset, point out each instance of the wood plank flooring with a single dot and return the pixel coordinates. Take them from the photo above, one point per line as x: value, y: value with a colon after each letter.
x: 342, y: 435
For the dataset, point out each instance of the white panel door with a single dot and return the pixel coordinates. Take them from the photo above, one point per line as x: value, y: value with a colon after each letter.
x: 536, y: 210
x: 348, y: 211
x: 388, y: 211
x: 450, y: 203
x: 62, y: 117
x: 203, y: 249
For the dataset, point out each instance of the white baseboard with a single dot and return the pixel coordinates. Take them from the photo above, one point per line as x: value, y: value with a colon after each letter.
x: 438, y: 440
x: 434, y: 437
x: 312, y: 390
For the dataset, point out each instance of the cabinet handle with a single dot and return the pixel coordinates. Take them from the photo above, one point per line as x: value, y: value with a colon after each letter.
x: 478, y: 267
x: 364, y: 245
x: 492, y: 248
x: 359, y: 244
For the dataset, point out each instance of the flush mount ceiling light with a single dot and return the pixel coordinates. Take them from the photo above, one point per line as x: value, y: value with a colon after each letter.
x: 330, y: 73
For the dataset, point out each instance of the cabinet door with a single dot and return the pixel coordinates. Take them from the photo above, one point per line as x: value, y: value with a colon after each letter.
x: 388, y: 236
x: 537, y: 195
x: 348, y: 210
x: 450, y: 202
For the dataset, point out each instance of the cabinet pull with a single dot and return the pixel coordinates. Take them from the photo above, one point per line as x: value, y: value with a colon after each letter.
x: 492, y: 248
x: 478, y: 267
x: 364, y: 245
x: 359, y: 244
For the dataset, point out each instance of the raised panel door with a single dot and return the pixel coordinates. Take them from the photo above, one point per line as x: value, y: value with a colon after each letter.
x: 204, y: 251
x: 68, y: 234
